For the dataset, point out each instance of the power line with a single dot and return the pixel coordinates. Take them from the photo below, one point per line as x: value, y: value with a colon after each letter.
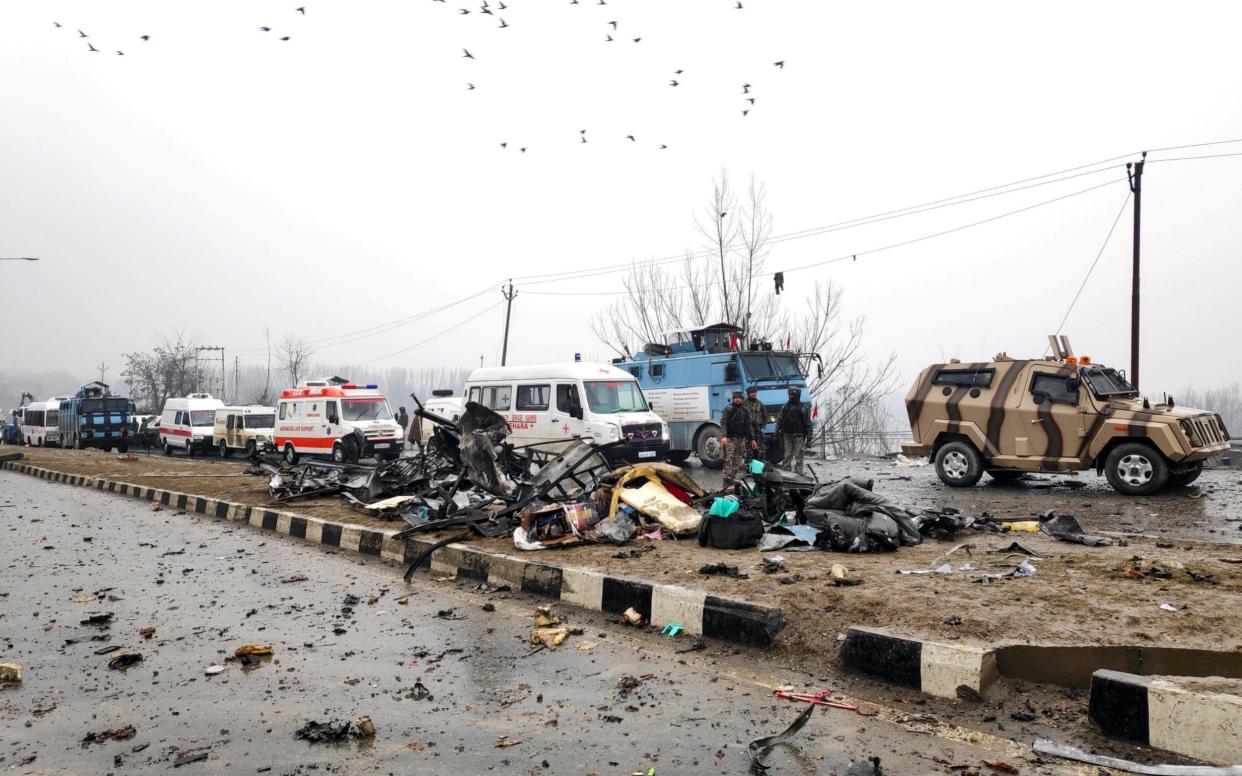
x: 900, y: 212
x: 1188, y: 158
x: 854, y: 255
x: 434, y: 336
x: 1091, y: 269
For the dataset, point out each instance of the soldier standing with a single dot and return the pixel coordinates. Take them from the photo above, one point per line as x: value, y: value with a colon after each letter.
x: 738, y: 431
x: 794, y: 424
x: 758, y: 418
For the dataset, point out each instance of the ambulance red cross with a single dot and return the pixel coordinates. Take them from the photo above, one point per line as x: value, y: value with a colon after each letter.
x: 313, y: 418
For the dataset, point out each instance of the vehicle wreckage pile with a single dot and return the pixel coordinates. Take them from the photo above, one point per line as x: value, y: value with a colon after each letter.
x: 469, y: 477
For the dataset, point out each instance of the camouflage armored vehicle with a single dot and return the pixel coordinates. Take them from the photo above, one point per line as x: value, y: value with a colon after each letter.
x: 1063, y: 413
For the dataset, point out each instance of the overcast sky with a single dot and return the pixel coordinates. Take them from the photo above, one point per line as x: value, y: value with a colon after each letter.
x: 219, y: 180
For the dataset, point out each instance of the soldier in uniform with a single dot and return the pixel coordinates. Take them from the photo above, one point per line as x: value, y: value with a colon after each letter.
x: 738, y: 437
x: 794, y: 425
x: 758, y: 418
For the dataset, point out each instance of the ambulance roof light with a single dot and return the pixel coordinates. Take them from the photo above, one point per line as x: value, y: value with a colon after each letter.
x: 372, y: 386
x: 349, y: 385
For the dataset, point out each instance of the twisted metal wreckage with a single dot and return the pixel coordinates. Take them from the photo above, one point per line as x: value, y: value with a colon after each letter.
x: 469, y: 476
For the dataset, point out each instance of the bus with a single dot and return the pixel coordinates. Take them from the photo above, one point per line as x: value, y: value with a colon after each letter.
x: 41, y: 423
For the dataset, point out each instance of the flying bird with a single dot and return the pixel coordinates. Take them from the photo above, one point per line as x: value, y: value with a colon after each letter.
x: 678, y: 72
x: 503, y: 24
x: 301, y: 10
x: 630, y: 138
x: 673, y: 82
x: 504, y: 145
x: 502, y: 7
x: 608, y: 39
x: 120, y: 53
x: 265, y: 29
x: 583, y: 139
x: 662, y: 147
x: 485, y: 10
x: 738, y: 7
x: 746, y: 111
x: 780, y: 64
x: 55, y: 24
x: 522, y: 149
x: 467, y: 55
x: 601, y: 2
x: 285, y: 38
x: 751, y: 100
x: 145, y: 37
x: 91, y: 46
x: 745, y: 88
x: 463, y: 11
x: 469, y: 87
x: 82, y: 34
x: 636, y: 40
x: 614, y: 25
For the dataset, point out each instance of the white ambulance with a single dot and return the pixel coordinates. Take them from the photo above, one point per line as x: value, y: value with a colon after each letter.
x: 243, y: 428
x: 40, y: 426
x: 313, y: 418
x: 187, y: 423
x: 561, y: 402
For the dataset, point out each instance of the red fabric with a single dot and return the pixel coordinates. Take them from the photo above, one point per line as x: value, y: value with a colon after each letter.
x: 677, y: 492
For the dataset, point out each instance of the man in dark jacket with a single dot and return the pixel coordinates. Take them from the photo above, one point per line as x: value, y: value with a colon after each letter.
x: 739, y: 435
x: 793, y: 423
x: 758, y: 417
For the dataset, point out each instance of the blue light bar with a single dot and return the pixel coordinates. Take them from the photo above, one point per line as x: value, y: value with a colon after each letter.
x: 372, y: 386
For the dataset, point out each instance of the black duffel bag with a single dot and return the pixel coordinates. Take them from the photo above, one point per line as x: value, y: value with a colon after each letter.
x: 742, y: 529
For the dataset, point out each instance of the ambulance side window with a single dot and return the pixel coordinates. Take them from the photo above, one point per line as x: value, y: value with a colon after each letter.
x: 330, y: 410
x: 497, y: 397
x: 474, y: 395
x: 567, y: 400
x: 180, y: 418
x: 283, y: 405
x: 533, y: 398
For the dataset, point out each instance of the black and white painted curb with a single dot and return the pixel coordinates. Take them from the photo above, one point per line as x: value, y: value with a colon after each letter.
x: 698, y: 612
x: 936, y: 669
x: 1184, y: 716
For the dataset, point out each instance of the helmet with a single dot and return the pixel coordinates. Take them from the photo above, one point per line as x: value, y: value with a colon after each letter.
x: 737, y: 394
x: 795, y: 391
x: 753, y: 389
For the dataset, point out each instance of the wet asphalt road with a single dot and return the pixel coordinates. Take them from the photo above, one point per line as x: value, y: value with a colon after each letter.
x: 208, y: 587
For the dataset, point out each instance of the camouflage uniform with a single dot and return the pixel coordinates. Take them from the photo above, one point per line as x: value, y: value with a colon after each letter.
x: 794, y: 424
x: 758, y: 419
x: 738, y: 429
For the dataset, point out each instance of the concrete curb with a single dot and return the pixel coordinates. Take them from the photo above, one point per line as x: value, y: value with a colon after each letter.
x: 936, y: 669
x: 1162, y: 713
x: 699, y: 613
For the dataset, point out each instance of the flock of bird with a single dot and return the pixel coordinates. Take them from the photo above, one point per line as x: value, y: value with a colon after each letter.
x: 487, y: 9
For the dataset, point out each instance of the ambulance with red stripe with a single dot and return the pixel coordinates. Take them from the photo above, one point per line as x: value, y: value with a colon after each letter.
x: 314, y: 419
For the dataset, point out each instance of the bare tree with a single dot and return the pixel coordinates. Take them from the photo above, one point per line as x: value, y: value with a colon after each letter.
x: 171, y: 368
x: 719, y: 227
x: 294, y: 354
x: 754, y: 232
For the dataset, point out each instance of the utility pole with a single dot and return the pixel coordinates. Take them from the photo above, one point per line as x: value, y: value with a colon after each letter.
x: 508, y: 294
x: 1135, y: 173
x: 236, y: 379
x: 198, y: 373
x: 103, y: 371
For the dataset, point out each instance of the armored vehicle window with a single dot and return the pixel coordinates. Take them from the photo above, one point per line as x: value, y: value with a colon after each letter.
x: 976, y: 377
x: 1106, y: 382
x: 533, y: 397
x: 637, y: 371
x: 1055, y: 387
x: 657, y: 370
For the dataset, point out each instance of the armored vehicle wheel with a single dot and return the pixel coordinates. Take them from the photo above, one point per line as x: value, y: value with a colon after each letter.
x: 291, y: 456
x: 1005, y: 475
x: 710, y: 451
x: 958, y: 464
x: 1184, y: 478
x: 678, y: 457
x: 1136, y: 469
x: 225, y: 452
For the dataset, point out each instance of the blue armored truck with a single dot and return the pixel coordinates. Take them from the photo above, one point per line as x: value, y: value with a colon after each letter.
x: 96, y: 418
x: 690, y: 377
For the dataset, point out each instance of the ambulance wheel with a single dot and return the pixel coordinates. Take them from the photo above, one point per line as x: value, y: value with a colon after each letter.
x: 291, y: 455
x: 1135, y: 469
x: 338, y: 453
x: 707, y: 446
x: 225, y: 452
x: 167, y: 447
x: 958, y: 464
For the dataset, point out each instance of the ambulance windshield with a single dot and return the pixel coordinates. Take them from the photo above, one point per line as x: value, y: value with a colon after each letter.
x: 610, y: 396
x: 372, y: 408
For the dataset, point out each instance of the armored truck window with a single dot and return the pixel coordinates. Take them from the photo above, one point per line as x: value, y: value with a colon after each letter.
x: 533, y: 398
x: 979, y: 378
x: 1055, y: 387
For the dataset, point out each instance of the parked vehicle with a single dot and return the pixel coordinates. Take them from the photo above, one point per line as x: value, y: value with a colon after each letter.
x: 1065, y: 413
x: 187, y: 423
x: 691, y: 376
x: 146, y: 429
x: 94, y: 417
x: 243, y: 428
x: 40, y: 425
x: 562, y: 402
x: 343, y: 421
x: 12, y: 431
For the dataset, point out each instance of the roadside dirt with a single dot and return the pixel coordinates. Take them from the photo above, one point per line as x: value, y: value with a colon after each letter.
x: 1078, y: 594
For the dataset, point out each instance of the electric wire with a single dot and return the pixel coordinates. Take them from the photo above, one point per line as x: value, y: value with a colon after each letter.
x: 454, y: 327
x: 868, y: 251
x: 1091, y: 269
